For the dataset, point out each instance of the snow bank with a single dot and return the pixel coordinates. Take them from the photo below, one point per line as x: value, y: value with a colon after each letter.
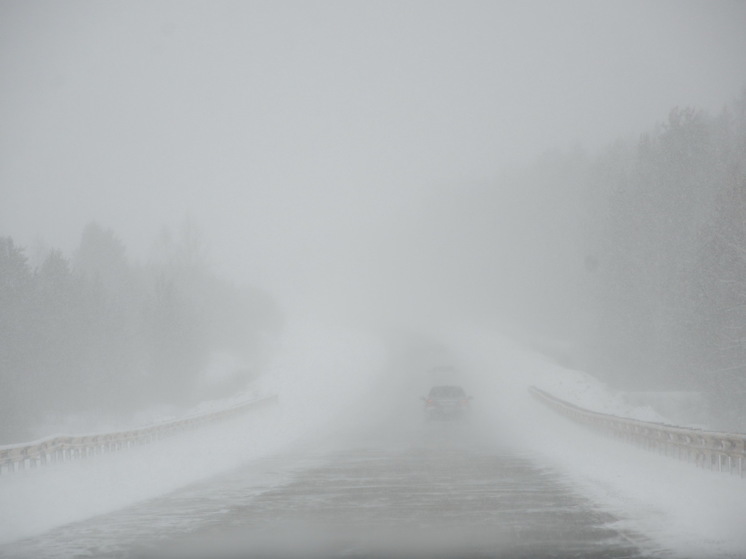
x: 317, y: 374
x: 679, y: 509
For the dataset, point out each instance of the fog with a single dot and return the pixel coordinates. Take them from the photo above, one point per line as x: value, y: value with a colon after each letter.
x: 310, y: 141
x: 166, y: 500
x: 533, y: 192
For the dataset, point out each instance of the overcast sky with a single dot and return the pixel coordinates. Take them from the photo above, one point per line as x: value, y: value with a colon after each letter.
x: 291, y: 130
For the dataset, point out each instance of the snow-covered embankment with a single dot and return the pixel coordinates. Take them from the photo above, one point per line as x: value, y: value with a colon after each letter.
x: 317, y: 373
x: 684, y: 510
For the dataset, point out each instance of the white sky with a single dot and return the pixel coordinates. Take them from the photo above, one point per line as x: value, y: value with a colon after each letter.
x: 294, y: 132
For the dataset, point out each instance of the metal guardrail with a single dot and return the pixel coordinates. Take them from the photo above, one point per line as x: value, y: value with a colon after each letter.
x: 707, y: 449
x: 64, y: 448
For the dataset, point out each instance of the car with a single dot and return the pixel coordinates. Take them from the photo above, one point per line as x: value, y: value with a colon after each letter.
x: 446, y: 402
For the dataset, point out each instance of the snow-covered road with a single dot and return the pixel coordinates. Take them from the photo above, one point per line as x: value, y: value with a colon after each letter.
x: 435, y: 492
x: 689, y: 512
x: 346, y: 464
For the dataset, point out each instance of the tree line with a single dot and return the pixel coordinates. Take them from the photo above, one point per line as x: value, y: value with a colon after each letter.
x: 96, y: 333
x: 666, y: 239
x: 631, y: 258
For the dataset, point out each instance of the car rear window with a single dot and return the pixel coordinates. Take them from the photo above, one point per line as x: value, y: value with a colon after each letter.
x: 447, y: 392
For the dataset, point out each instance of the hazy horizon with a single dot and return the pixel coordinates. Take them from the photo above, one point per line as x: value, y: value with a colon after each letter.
x: 297, y: 136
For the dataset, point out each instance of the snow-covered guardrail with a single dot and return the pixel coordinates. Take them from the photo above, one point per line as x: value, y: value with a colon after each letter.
x: 63, y: 448
x: 707, y: 449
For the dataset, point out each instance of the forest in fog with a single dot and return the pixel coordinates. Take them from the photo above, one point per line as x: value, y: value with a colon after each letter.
x: 628, y: 262
x: 641, y: 249
x: 667, y: 253
x: 97, y: 335
x: 634, y: 256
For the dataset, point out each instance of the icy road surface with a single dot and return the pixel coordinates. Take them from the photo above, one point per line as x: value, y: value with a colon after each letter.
x: 433, y: 491
x: 345, y: 465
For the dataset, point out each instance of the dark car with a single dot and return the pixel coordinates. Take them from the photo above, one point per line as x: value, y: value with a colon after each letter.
x: 447, y: 402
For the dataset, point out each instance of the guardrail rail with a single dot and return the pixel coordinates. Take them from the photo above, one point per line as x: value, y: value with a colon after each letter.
x: 64, y: 448
x: 707, y: 449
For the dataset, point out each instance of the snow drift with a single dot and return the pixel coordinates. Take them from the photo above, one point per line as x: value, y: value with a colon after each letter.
x: 683, y: 510
x: 317, y: 374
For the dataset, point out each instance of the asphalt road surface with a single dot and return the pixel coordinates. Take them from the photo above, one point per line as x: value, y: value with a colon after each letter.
x: 433, y: 492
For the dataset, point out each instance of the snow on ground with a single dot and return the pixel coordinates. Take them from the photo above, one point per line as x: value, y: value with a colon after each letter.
x: 317, y: 374
x: 683, y: 510
x: 321, y: 375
